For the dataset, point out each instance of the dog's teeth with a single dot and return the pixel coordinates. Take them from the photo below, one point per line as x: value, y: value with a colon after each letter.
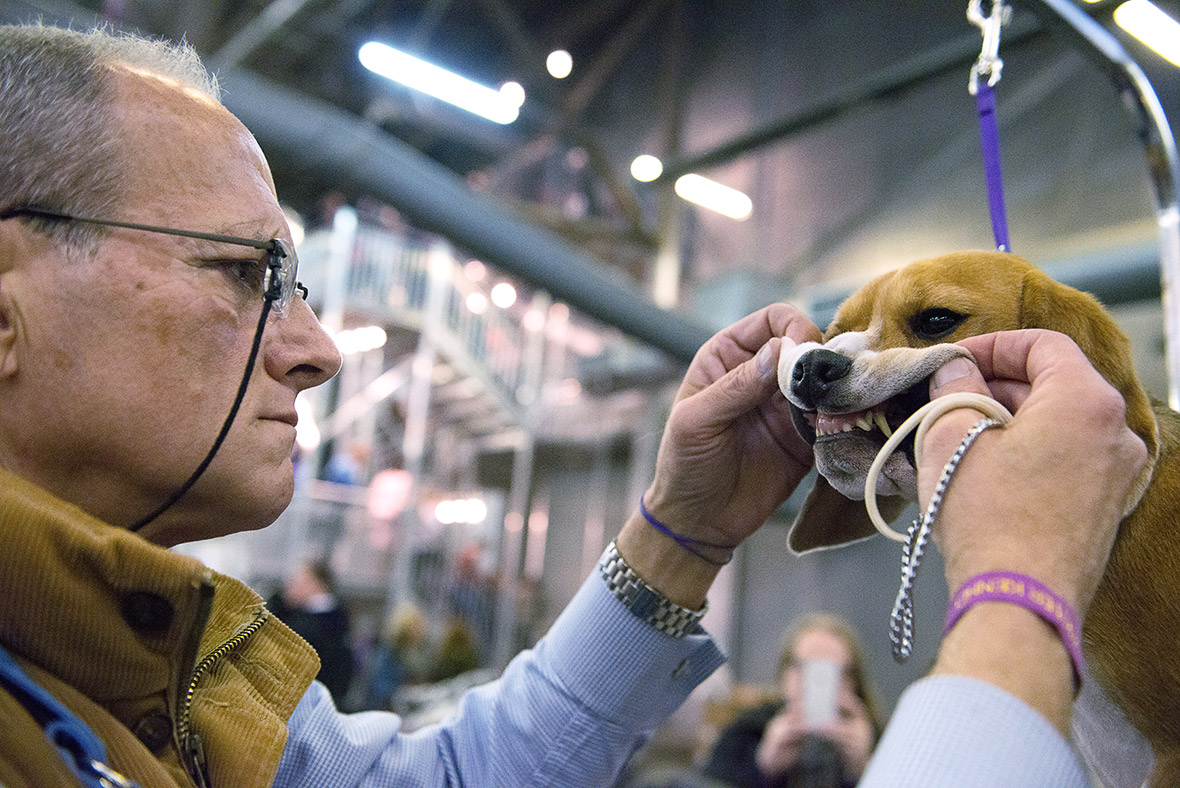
x: 864, y: 422
x: 882, y: 424
x: 846, y: 428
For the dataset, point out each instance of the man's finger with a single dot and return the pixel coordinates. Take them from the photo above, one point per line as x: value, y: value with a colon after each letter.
x: 959, y: 375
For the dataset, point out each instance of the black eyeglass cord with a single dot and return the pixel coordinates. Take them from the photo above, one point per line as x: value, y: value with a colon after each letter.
x: 229, y: 420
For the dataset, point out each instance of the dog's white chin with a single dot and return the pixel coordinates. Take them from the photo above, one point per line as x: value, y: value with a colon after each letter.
x: 845, y: 464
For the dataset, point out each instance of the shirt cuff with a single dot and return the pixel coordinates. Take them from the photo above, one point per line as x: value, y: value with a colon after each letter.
x: 955, y: 730
x: 621, y: 667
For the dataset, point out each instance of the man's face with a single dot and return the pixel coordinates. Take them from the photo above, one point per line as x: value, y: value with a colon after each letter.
x: 126, y: 364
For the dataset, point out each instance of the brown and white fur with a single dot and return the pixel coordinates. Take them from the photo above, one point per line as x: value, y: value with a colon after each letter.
x: 878, y: 353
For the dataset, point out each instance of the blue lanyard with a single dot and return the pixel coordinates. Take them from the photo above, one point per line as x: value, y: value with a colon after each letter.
x: 79, y: 747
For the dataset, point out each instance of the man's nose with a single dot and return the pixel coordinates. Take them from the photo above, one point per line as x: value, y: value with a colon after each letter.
x: 300, y: 349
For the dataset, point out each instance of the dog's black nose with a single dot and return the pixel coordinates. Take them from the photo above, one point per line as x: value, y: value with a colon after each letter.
x: 814, y: 374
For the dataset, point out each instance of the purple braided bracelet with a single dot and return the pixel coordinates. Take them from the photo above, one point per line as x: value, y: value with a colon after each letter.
x: 687, y: 542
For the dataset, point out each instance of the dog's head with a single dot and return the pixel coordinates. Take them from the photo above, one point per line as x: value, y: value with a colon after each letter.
x: 874, y: 367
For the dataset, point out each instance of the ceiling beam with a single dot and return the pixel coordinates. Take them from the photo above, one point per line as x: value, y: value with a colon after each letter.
x: 957, y: 54
x: 295, y: 126
x: 255, y: 33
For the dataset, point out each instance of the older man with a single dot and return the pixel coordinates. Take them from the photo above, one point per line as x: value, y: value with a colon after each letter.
x: 152, y: 342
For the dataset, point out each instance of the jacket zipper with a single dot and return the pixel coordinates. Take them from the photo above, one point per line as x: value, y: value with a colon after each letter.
x: 190, y: 741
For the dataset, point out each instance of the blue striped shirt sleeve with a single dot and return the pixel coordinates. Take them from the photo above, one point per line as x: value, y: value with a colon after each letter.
x: 957, y: 731
x: 568, y: 712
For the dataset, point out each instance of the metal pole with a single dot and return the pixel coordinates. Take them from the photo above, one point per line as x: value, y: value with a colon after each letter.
x: 519, y: 494
x: 1159, y: 147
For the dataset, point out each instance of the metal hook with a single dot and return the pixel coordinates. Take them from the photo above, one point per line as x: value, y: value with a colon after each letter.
x: 989, y: 57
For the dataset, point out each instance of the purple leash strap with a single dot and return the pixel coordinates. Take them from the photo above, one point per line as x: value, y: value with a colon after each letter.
x: 989, y: 135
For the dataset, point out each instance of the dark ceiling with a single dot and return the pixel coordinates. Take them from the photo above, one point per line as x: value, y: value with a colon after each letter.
x: 847, y: 122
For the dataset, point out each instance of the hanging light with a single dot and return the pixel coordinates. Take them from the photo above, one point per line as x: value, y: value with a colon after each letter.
x: 1154, y: 28
x: 714, y: 196
x: 503, y: 295
x: 560, y: 63
x: 434, y: 81
x: 646, y: 168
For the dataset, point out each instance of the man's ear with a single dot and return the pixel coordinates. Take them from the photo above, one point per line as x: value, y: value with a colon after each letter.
x: 7, y: 334
x: 8, y: 323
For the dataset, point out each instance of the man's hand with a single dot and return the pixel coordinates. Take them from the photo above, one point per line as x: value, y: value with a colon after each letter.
x: 778, y: 749
x: 729, y: 455
x: 1042, y: 496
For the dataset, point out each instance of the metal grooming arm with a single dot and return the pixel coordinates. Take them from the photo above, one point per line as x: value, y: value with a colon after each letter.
x: 1159, y: 146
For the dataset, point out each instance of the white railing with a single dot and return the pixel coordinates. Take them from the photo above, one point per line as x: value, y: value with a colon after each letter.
x: 388, y: 278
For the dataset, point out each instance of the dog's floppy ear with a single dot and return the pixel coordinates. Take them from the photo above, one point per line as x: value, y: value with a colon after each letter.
x: 828, y: 519
x: 1052, y: 305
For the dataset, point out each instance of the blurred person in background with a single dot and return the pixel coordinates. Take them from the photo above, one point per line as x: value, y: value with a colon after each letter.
x: 458, y: 652
x: 309, y: 605
x: 470, y: 598
x: 403, y: 656
x: 789, y: 743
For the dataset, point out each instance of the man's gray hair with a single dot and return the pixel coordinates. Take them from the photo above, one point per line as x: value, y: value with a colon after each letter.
x: 59, y: 145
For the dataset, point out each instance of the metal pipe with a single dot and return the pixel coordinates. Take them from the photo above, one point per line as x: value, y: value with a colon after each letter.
x: 1159, y: 147
x: 333, y: 144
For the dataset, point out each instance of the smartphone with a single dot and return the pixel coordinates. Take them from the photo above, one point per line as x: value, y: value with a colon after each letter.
x: 821, y: 691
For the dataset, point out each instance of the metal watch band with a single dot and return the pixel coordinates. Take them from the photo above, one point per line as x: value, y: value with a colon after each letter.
x: 643, y: 600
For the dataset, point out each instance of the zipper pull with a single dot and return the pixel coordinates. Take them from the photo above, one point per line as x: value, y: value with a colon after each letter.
x: 196, y: 758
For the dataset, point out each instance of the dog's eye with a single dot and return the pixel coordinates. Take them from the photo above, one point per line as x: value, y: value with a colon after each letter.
x: 935, y: 323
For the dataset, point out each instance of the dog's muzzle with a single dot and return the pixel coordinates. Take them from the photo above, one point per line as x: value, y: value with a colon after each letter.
x: 847, y: 400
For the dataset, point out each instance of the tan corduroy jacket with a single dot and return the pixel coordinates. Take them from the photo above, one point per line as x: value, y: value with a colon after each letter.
x: 165, y: 660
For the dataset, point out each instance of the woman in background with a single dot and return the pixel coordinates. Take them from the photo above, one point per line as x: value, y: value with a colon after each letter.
x: 790, y: 743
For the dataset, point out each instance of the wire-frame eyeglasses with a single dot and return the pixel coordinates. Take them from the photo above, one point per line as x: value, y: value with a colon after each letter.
x: 282, y: 266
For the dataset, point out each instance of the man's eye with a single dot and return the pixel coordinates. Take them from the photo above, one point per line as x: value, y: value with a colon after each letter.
x: 246, y: 272
x: 935, y: 323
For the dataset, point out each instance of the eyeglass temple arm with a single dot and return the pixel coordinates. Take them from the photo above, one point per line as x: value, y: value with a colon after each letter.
x: 10, y: 213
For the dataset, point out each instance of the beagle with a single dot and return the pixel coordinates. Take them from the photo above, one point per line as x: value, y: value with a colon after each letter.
x: 848, y: 394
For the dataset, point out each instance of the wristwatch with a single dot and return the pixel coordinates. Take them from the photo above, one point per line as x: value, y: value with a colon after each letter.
x: 643, y: 600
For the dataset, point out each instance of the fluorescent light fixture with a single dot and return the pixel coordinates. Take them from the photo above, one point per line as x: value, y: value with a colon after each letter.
x: 468, y: 511
x: 1148, y: 23
x: 714, y: 196
x: 438, y: 82
x: 646, y: 168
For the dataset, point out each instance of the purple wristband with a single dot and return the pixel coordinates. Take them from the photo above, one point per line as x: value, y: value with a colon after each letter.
x: 687, y: 542
x: 1029, y: 593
